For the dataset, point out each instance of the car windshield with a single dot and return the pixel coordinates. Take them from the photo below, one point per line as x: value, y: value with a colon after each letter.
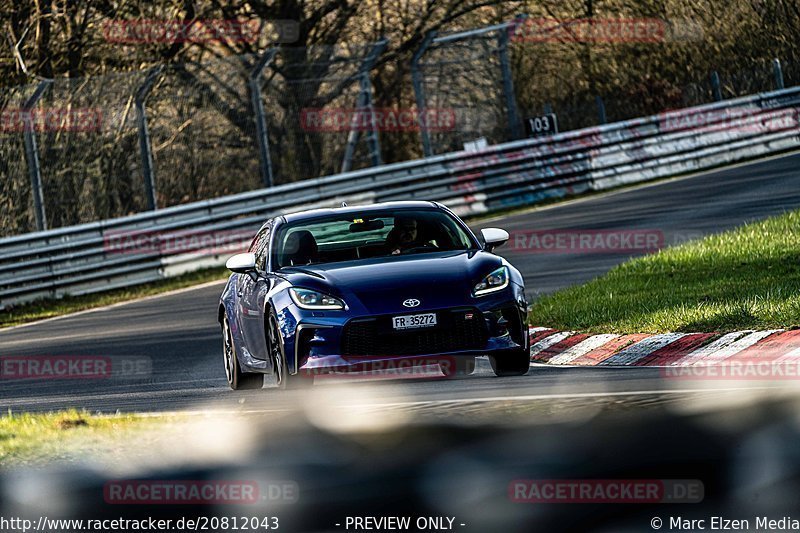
x: 375, y: 234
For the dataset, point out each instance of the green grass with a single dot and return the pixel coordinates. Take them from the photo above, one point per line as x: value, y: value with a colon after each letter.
x: 70, y: 304
x: 37, y: 439
x: 747, y: 278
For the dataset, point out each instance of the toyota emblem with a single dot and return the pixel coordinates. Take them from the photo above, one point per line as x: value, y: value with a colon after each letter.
x: 411, y: 302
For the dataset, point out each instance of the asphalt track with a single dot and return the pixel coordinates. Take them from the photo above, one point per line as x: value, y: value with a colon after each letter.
x: 177, y: 335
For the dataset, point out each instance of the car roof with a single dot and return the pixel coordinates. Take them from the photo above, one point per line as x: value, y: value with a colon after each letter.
x: 357, y: 210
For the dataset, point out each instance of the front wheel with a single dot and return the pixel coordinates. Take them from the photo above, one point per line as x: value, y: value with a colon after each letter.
x: 237, y: 380
x: 279, y: 364
x: 513, y: 363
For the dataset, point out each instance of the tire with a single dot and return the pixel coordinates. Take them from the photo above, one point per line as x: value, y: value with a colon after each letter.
x: 237, y: 380
x: 278, y: 356
x: 458, y: 367
x: 512, y: 363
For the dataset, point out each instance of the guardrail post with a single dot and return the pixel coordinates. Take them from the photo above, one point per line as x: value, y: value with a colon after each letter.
x: 260, y: 117
x: 715, y: 86
x: 778, y: 73
x: 145, y: 148
x: 32, y: 154
x: 601, y: 109
x: 515, y: 126
x: 365, y: 102
x: 419, y: 93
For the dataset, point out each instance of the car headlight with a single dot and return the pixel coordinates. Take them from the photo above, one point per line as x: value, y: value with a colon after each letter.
x: 308, y: 299
x: 497, y: 280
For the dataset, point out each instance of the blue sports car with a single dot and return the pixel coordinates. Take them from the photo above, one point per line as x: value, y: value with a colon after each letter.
x: 352, y: 288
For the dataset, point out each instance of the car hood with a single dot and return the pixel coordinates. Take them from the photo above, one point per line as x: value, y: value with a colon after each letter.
x: 380, y: 285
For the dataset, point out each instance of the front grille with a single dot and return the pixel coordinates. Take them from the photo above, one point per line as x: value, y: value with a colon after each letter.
x: 456, y: 330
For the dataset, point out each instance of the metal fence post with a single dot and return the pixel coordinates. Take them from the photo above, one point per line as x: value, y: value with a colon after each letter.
x: 365, y: 102
x: 514, y: 124
x: 601, y: 109
x: 715, y: 86
x: 32, y: 154
x: 145, y: 148
x: 260, y: 117
x: 419, y: 93
x: 778, y: 72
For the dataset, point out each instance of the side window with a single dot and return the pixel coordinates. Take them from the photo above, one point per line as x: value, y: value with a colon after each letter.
x: 262, y: 248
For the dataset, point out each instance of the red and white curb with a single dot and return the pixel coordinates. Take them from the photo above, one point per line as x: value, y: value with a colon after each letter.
x: 553, y: 347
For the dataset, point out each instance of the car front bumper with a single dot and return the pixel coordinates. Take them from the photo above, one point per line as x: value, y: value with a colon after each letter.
x: 314, y: 341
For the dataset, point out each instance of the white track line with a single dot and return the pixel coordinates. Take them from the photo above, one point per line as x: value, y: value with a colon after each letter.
x: 181, y: 394
x: 212, y: 411
x: 581, y: 349
x: 117, y: 304
x: 642, y: 349
x: 622, y: 189
x: 565, y: 395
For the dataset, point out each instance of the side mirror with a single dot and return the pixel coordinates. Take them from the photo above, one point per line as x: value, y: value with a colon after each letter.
x: 242, y: 263
x: 493, y: 237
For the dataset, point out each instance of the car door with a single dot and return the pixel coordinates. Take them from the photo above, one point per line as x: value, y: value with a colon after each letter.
x: 252, y: 295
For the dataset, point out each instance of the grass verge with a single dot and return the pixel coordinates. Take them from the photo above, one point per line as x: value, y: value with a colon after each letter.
x: 69, y: 304
x: 37, y: 439
x: 746, y: 278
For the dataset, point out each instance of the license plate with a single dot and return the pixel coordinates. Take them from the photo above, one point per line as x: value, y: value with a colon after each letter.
x: 414, y: 321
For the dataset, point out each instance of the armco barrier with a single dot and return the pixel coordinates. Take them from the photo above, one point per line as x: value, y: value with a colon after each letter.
x: 76, y: 260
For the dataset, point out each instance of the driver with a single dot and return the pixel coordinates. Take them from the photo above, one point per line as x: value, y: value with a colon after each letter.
x: 404, y: 236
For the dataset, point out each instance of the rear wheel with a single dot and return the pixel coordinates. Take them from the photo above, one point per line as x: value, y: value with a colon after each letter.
x: 513, y: 363
x: 280, y: 365
x: 237, y: 380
